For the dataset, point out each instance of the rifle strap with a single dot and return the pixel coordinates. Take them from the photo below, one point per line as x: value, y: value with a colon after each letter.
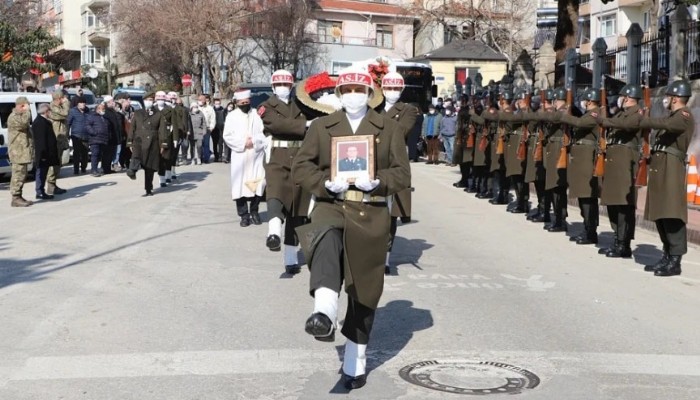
x: 586, y: 142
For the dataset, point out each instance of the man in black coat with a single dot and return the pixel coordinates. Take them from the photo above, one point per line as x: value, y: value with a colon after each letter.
x: 45, y: 149
x: 116, y: 134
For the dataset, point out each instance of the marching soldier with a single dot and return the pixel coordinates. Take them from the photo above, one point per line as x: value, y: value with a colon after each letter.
x: 21, y: 149
x: 482, y: 151
x: 148, y: 140
x: 666, y: 190
x: 60, y: 107
x: 286, y: 124
x: 618, y: 190
x: 534, y: 171
x: 515, y: 168
x: 555, y: 177
x: 464, y: 149
x: 349, y: 229
x: 405, y: 115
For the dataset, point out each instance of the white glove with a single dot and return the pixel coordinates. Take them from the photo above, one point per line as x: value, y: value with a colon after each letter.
x: 339, y: 185
x: 308, y: 123
x: 365, y: 184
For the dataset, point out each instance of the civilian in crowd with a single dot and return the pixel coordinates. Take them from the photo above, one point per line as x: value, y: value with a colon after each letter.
x: 196, y: 133
x: 218, y: 144
x: 210, y: 117
x: 116, y: 135
x: 448, y: 129
x: 431, y: 133
x: 99, y: 132
x: 77, y: 126
x: 45, y: 149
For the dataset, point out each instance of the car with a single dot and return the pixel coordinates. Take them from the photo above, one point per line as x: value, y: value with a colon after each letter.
x: 7, y: 104
x: 90, y: 98
x: 135, y: 93
x: 259, y: 92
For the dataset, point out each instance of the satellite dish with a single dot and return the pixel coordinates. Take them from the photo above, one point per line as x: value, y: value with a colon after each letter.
x: 92, y: 73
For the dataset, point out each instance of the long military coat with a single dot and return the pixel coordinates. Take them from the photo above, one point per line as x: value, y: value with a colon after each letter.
x: 584, y: 142
x: 513, y: 124
x: 666, y: 190
x: 621, y: 158
x: 554, y: 134
x: 497, y: 160
x: 405, y: 115
x: 21, y: 141
x: 149, y: 134
x: 463, y: 154
x: 59, y: 115
x: 365, y: 225
x: 482, y: 158
x: 169, y: 119
x: 179, y: 122
x: 284, y: 122
x: 534, y: 171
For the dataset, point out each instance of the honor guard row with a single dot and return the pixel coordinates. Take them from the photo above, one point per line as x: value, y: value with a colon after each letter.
x: 592, y: 157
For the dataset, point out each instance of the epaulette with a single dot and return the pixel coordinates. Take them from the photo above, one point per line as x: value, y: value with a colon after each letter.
x: 261, y: 111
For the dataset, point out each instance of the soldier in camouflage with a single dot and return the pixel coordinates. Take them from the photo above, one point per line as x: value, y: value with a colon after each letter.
x: 21, y: 149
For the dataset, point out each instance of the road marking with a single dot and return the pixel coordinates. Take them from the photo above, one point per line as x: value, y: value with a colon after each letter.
x: 232, y: 362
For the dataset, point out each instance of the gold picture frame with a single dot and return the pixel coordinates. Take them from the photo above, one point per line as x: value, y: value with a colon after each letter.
x: 352, y: 157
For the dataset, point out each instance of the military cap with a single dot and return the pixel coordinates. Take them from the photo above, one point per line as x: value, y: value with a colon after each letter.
x: 56, y: 95
x: 549, y: 94
x: 633, y: 91
x: 21, y: 100
x: 507, y: 95
x: 679, y: 88
x: 592, y: 95
x: 560, y: 94
x: 150, y: 95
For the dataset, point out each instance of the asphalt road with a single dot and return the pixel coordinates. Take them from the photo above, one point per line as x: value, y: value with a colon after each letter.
x: 108, y: 295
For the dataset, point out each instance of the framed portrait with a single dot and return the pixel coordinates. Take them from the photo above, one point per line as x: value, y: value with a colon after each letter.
x: 352, y: 157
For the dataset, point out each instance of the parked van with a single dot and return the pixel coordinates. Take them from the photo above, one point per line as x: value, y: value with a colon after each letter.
x: 135, y: 93
x: 7, y: 104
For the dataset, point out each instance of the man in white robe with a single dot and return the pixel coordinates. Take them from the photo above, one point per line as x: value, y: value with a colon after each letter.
x: 243, y: 133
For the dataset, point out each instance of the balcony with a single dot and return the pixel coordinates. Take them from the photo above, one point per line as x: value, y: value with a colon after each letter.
x: 98, y: 4
x: 345, y: 40
x: 98, y: 36
x: 631, y: 3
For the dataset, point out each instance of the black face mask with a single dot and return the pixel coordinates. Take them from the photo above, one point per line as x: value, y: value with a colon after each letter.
x: 244, y: 108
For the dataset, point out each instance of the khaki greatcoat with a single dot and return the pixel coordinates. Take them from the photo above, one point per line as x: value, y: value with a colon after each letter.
x: 621, y: 158
x: 553, y: 133
x: 482, y: 158
x: 584, y: 142
x: 365, y: 226
x: 405, y: 115
x: 534, y: 171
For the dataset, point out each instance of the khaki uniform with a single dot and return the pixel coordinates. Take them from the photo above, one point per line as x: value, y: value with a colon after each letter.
x: 498, y: 165
x: 59, y: 115
x: 364, y: 225
x: 405, y: 115
x: 21, y: 148
x: 666, y: 190
x: 482, y: 155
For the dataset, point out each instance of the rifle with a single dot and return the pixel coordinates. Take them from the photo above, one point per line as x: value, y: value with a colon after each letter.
x: 642, y: 174
x: 539, y: 147
x: 471, y: 138
x: 501, y: 141
x: 563, y: 160
x: 522, y: 146
x: 599, y: 169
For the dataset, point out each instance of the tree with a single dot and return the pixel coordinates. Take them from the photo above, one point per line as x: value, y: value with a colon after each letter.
x: 284, y: 45
x: 567, y: 27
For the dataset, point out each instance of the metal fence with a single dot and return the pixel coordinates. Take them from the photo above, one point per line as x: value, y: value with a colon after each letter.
x: 692, y: 45
x: 655, y: 58
x: 616, y: 62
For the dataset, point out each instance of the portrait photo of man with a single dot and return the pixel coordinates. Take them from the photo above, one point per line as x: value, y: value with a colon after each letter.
x: 352, y: 161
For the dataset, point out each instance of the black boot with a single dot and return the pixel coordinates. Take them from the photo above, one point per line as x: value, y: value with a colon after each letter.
x: 672, y: 267
x: 606, y: 250
x: 623, y: 250
x: 661, y: 264
x: 320, y: 327
x: 557, y: 227
x: 245, y: 220
x: 589, y: 238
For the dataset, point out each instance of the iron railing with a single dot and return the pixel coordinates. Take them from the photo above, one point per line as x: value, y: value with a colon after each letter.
x: 692, y: 46
x: 655, y: 58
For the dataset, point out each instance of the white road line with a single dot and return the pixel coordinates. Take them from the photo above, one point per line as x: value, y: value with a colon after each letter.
x: 232, y: 362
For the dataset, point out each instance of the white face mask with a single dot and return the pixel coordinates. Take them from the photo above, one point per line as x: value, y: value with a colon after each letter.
x: 620, y: 102
x: 392, y: 96
x: 283, y: 92
x: 448, y: 112
x: 161, y: 103
x: 667, y: 103
x: 582, y: 103
x: 354, y: 103
x: 431, y: 112
x: 201, y: 103
x: 148, y: 103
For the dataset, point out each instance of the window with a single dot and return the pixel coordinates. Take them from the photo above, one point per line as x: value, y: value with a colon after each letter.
x: 494, y: 5
x: 337, y: 66
x: 330, y: 31
x: 585, y: 31
x: 450, y: 33
x: 646, y: 23
x: 5, y: 111
x: 466, y: 32
x: 608, y: 25
x: 89, y: 20
x: 92, y: 55
x: 58, y: 28
x: 385, y: 36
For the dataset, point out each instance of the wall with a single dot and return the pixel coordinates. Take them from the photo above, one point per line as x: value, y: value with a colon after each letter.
x: 446, y: 70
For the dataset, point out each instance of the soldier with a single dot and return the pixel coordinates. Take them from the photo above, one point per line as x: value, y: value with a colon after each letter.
x: 349, y: 229
x: 405, y: 115
x: 165, y: 174
x: 482, y: 150
x: 582, y: 184
x: 286, y: 125
x: 497, y: 136
x: 181, y: 116
x: 618, y: 190
x: 60, y: 107
x: 555, y: 178
x: 148, y: 140
x: 464, y: 149
x: 666, y: 190
x: 21, y: 149
x: 515, y: 167
x: 534, y: 171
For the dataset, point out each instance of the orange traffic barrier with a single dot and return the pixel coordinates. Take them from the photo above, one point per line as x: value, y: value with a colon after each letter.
x: 692, y: 181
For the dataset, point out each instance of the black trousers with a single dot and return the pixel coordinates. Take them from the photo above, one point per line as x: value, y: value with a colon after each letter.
x: 327, y: 271
x: 465, y: 170
x: 522, y: 193
x: 392, y: 231
x: 108, y: 153
x: 216, y: 143
x: 148, y: 183
x: 674, y: 235
x: 242, y: 205
x: 481, y: 176
x: 174, y: 153
x: 560, y: 202
x: 544, y: 198
x: 275, y: 209
x: 623, y: 221
x: 163, y: 165
x: 498, y: 185
x: 589, y: 212
x: 80, y: 154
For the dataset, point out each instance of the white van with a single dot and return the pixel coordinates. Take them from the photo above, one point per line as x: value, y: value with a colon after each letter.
x: 7, y: 104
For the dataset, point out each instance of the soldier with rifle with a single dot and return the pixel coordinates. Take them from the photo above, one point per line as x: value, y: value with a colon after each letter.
x: 534, y: 171
x: 582, y: 184
x: 666, y: 191
x: 515, y: 152
x: 464, y: 149
x: 482, y: 152
x: 621, y: 155
x: 497, y: 138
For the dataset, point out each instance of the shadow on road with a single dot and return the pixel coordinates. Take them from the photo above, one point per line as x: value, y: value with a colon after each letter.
x: 407, y: 251
x: 78, y: 191
x: 647, y: 254
x: 393, y: 329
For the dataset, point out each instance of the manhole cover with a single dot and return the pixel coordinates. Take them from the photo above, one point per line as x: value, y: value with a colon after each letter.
x: 470, y: 377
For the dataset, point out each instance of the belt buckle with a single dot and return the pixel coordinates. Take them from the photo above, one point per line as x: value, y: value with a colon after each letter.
x: 354, y: 195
